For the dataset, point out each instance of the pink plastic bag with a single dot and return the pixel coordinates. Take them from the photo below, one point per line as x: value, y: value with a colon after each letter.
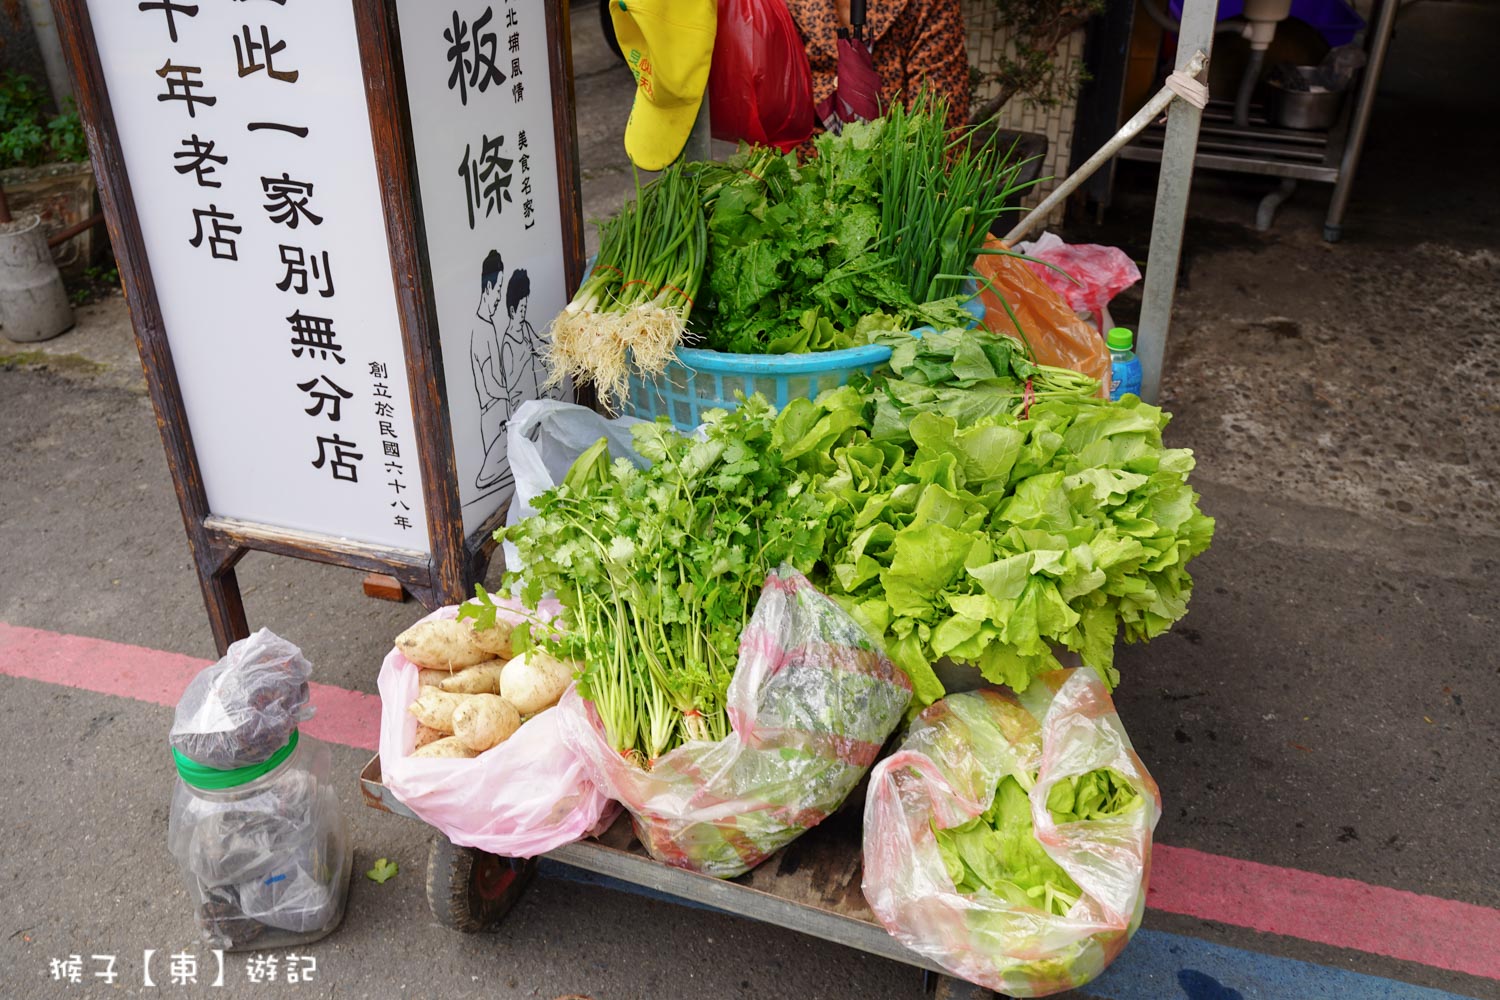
x: 946, y: 773
x: 811, y: 703
x: 519, y: 799
x: 759, y: 82
x: 1100, y: 273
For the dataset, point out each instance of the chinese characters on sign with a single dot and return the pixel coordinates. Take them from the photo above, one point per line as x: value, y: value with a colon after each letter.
x: 390, y: 444
x: 479, y: 88
x: 183, y: 968
x: 247, y: 139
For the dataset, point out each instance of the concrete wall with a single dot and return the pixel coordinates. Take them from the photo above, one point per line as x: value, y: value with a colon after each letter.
x: 18, y: 46
x: 987, y: 42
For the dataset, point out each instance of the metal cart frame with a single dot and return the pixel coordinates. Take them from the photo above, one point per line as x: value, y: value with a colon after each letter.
x: 812, y: 885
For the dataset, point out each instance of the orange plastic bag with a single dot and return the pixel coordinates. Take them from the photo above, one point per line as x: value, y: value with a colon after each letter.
x: 1056, y: 335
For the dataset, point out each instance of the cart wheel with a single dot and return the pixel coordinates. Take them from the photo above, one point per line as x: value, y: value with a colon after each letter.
x: 469, y: 890
x: 949, y: 988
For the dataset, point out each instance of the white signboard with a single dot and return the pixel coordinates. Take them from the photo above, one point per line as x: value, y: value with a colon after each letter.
x: 478, y: 84
x: 247, y: 142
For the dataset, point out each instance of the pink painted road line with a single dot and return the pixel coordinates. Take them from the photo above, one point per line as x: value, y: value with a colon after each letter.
x: 1341, y: 912
x: 348, y: 717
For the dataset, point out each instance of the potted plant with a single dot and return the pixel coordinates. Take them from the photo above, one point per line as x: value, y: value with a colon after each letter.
x: 44, y: 166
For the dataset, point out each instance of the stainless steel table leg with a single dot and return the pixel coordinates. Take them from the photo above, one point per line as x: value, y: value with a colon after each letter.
x: 1385, y: 21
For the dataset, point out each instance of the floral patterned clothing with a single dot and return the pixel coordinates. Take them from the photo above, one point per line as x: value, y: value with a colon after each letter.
x: 913, y: 43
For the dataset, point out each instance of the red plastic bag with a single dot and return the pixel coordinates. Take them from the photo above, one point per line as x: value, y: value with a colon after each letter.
x: 1099, y: 273
x: 759, y: 84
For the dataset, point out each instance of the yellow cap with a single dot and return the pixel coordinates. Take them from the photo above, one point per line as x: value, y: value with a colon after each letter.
x: 668, y: 44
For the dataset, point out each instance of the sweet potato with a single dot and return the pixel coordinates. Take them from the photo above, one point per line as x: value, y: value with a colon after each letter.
x: 534, y: 681
x: 434, y: 708
x: 484, y: 721
x: 426, y: 735
x: 495, y: 640
x: 441, y: 644
x: 432, y: 678
x: 447, y: 747
x: 483, y: 679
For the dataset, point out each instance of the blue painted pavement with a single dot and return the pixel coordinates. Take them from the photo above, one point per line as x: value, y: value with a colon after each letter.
x: 1161, y: 966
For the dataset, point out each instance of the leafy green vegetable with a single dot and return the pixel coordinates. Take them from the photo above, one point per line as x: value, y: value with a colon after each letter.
x: 383, y: 872
x: 657, y: 569
x: 794, y: 263
x: 998, y: 851
x: 990, y: 510
x: 965, y: 504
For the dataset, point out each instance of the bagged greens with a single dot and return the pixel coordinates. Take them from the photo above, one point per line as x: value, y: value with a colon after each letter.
x: 1009, y: 838
x: 812, y: 701
x: 657, y: 570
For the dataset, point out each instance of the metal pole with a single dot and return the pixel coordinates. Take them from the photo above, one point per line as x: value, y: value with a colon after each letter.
x: 44, y: 25
x: 1128, y: 131
x: 1172, y: 189
x: 1384, y: 22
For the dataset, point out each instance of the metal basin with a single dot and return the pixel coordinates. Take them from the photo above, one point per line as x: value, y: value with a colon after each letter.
x: 1302, y: 109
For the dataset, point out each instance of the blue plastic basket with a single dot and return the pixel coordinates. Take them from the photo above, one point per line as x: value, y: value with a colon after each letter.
x: 698, y: 380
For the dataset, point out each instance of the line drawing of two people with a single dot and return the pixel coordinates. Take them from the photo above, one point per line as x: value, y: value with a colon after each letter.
x: 508, y: 365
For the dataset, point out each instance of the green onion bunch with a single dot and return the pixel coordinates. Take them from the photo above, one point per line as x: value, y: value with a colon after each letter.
x: 939, y: 195
x: 632, y: 310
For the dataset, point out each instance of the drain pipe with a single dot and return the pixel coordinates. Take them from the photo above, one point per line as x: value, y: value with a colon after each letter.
x: 1247, y: 86
x: 1231, y: 26
x: 1263, y: 16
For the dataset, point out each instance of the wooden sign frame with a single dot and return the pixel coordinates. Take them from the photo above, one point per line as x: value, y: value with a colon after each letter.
x: 448, y: 573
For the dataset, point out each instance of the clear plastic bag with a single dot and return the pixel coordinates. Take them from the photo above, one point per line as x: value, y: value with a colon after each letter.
x: 241, y: 710
x: 759, y: 82
x: 946, y: 773
x: 811, y: 702
x: 545, y: 438
x: 1050, y: 326
x: 519, y: 799
x: 267, y: 862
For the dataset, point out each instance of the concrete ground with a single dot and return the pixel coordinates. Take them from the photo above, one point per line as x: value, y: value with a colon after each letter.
x: 1330, y: 704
